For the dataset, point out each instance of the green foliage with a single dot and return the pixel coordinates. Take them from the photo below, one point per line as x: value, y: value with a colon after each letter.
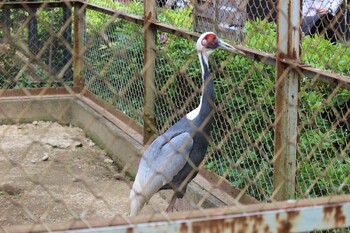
x: 97, y: 21
x: 261, y: 35
x: 14, y: 76
x: 181, y: 18
x: 172, y: 64
x: 320, y: 53
x: 113, y: 64
x: 46, y: 46
x: 323, y: 142
x: 132, y: 7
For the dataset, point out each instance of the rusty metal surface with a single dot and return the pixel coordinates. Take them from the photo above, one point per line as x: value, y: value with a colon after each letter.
x: 148, y: 71
x: 299, y: 219
x: 78, y: 55
x: 287, y: 216
x: 287, y: 92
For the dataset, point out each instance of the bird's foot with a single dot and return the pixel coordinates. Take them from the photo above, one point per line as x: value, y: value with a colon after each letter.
x: 180, y: 205
x: 170, y: 207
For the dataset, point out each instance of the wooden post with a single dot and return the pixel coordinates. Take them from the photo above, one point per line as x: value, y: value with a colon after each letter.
x: 78, y: 54
x: 287, y: 97
x: 149, y: 72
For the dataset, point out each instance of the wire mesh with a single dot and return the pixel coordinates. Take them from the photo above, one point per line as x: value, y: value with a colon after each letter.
x: 36, y: 47
x: 132, y: 7
x: 245, y: 122
x: 38, y: 51
x: 324, y: 141
x: 325, y: 44
x: 226, y: 18
x: 177, y: 80
x: 324, y: 138
x: 113, y: 63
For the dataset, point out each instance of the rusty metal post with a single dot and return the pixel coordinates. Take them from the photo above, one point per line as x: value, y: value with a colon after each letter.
x: 78, y: 53
x: 149, y: 72
x: 287, y: 91
x: 67, y: 36
x: 33, y: 38
x: 6, y: 23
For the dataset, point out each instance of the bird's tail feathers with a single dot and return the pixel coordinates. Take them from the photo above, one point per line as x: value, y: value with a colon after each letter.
x: 140, y: 194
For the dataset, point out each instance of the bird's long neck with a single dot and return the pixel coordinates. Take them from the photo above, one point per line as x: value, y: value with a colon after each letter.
x: 204, y: 112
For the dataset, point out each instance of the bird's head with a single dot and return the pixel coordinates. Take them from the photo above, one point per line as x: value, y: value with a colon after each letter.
x: 209, y: 41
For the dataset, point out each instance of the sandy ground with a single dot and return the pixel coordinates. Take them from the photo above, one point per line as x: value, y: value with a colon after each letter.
x: 50, y: 173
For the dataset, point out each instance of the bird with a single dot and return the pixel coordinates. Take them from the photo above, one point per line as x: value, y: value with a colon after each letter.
x: 171, y: 161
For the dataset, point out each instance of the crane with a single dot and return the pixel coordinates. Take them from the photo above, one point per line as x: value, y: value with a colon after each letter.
x: 172, y: 159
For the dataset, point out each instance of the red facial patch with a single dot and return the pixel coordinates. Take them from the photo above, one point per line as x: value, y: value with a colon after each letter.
x: 209, y: 39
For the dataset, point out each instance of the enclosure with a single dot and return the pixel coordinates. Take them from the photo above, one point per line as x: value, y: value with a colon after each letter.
x: 112, y: 75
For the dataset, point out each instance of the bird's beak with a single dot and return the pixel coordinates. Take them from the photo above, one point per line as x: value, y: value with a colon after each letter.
x: 228, y: 47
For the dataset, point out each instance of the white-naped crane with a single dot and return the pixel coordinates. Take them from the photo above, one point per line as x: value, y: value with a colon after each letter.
x: 172, y: 160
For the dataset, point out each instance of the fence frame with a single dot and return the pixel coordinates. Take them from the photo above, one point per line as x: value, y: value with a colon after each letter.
x: 78, y: 55
x: 288, y: 67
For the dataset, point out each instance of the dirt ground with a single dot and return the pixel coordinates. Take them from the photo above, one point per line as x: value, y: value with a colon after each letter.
x: 51, y: 173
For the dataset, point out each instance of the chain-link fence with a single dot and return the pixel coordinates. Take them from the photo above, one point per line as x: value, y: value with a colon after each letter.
x: 45, y: 33
x: 126, y: 71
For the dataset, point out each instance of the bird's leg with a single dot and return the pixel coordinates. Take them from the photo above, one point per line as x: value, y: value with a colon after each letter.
x: 170, y: 207
x: 181, y: 204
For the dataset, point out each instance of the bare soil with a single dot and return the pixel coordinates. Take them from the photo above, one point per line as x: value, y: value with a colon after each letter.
x: 52, y: 173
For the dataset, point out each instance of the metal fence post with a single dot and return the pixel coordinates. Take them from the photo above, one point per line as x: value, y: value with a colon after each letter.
x: 33, y: 39
x: 67, y: 36
x: 287, y: 91
x: 149, y: 71
x: 78, y: 54
x: 6, y: 19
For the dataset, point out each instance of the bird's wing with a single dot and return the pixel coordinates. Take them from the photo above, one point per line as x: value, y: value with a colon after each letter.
x: 167, y: 156
x: 162, y: 160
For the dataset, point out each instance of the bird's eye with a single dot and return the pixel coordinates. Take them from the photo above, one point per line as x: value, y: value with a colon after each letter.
x: 204, y: 42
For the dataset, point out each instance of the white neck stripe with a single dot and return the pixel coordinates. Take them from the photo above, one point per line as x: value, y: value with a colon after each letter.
x: 194, y: 113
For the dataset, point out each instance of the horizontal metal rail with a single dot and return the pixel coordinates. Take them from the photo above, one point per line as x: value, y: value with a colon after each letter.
x: 280, y: 221
x: 316, y: 215
x: 287, y: 216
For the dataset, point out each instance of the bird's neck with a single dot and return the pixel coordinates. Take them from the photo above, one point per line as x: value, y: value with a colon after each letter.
x: 204, y: 111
